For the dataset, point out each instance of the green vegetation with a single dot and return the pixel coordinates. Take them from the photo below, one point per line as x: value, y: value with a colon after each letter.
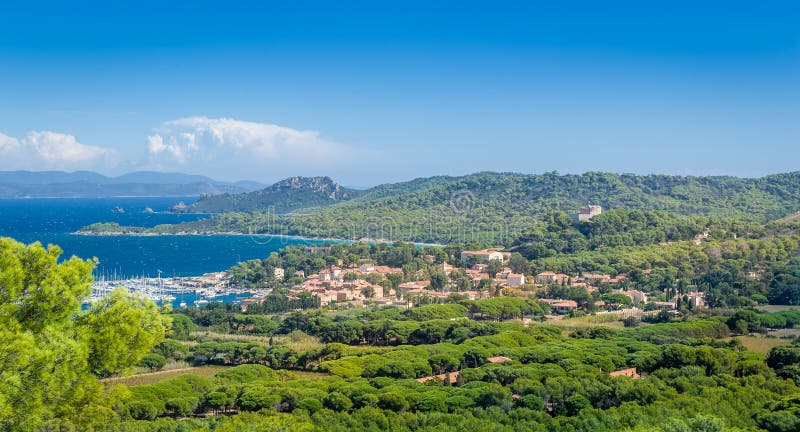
x: 52, y: 353
x: 282, y: 197
x: 502, y: 208
x: 451, y: 365
x: 694, y: 378
x: 286, y: 363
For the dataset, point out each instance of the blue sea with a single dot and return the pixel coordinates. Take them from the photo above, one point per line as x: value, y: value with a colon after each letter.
x: 53, y: 220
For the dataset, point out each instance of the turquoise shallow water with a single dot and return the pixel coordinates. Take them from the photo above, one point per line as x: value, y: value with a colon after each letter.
x: 51, y: 221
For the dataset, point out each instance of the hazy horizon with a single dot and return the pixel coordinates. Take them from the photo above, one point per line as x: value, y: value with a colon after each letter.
x: 367, y: 186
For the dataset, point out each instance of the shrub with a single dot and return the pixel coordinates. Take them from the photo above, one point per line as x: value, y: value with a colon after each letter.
x: 338, y: 402
x: 630, y: 321
x: 393, y: 401
x: 153, y: 361
x: 256, y: 398
x: 142, y: 410
x: 311, y: 405
x: 181, y: 407
x: 531, y: 401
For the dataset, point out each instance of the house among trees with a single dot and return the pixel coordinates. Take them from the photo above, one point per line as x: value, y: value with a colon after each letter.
x: 630, y: 373
x: 498, y: 360
x: 587, y: 213
x: 485, y: 255
x: 550, y: 277
x: 560, y: 305
x: 515, y: 279
x: 636, y: 296
x: 418, y: 285
x: 448, y: 378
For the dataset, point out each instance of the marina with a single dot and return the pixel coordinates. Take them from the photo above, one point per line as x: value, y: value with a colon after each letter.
x: 180, y: 292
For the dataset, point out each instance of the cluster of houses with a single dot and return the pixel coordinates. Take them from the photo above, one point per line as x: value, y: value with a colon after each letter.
x: 331, y: 285
x: 336, y: 284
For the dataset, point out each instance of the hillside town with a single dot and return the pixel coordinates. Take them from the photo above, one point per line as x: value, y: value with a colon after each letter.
x: 365, y: 284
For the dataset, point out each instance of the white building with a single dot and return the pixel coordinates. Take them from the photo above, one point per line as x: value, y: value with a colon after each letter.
x: 515, y: 279
x: 587, y: 213
x: 483, y: 255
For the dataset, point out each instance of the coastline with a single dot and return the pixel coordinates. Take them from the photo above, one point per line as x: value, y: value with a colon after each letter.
x: 236, y: 233
x: 30, y: 197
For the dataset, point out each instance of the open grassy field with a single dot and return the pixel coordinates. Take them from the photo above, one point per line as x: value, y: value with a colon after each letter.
x: 208, y: 335
x: 607, y: 320
x: 761, y: 344
x: 204, y: 371
x: 152, y: 377
x: 305, y: 375
x: 297, y: 340
x: 776, y: 308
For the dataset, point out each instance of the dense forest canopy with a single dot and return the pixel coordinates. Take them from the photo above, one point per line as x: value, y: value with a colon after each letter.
x: 370, y: 373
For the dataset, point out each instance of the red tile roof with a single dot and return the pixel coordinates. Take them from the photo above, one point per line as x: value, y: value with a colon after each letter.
x: 630, y: 373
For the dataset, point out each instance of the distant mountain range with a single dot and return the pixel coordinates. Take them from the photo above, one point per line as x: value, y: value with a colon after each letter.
x: 87, y: 184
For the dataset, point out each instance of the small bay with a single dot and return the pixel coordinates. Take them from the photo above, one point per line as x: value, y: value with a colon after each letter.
x: 53, y: 221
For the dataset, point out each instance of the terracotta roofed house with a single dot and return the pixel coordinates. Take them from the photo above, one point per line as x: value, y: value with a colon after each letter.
x: 560, y: 305
x: 630, y: 373
x: 498, y: 359
x: 453, y: 376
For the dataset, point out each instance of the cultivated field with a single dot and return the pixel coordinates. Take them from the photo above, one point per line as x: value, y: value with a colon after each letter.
x: 152, y: 377
x: 761, y: 344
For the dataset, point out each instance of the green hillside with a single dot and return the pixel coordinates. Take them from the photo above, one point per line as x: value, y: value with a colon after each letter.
x: 282, y: 197
x: 500, y: 208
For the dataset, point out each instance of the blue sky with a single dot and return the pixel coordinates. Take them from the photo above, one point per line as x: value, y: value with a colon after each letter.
x: 369, y: 92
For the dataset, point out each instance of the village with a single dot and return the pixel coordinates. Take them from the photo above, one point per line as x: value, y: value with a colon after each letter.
x: 366, y: 284
x: 479, y: 274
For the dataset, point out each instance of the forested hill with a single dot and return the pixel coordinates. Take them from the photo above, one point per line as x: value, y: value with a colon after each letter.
x: 484, y: 206
x: 500, y: 207
x: 282, y: 197
x: 761, y: 199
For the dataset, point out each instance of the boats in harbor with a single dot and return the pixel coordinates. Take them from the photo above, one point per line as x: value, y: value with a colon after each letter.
x: 180, y: 292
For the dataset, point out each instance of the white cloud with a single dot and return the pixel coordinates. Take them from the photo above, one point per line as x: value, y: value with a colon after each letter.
x: 46, y: 150
x: 222, y: 148
x: 198, y: 141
